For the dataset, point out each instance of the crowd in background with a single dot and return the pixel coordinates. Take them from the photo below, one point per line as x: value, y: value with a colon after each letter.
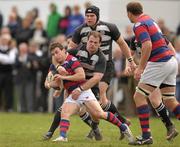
x: 25, y: 60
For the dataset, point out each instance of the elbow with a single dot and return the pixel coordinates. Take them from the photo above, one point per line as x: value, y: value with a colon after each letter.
x: 83, y: 76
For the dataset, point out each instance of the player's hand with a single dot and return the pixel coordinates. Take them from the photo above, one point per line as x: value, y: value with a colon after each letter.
x: 132, y: 65
x: 76, y: 93
x: 62, y: 71
x: 57, y: 77
x: 137, y: 73
x: 128, y: 71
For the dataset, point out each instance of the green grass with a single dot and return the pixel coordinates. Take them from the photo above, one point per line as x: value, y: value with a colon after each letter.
x: 23, y: 130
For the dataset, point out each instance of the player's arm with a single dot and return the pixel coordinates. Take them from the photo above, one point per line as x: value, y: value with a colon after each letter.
x: 72, y: 45
x: 124, y: 47
x: 143, y: 36
x: 145, y: 54
x: 78, y: 76
x: 97, y: 75
x: 76, y: 39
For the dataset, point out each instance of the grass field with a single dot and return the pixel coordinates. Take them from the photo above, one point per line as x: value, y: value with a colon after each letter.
x: 25, y: 130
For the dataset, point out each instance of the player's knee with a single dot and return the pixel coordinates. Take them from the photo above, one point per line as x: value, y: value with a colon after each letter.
x: 98, y: 115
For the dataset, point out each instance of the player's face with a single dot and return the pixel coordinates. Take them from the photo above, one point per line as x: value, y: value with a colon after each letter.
x: 58, y: 55
x: 93, y: 44
x: 90, y: 19
x: 130, y: 17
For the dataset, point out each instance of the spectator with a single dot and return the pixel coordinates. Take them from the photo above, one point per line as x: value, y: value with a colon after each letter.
x: 75, y: 20
x: 24, y: 33
x: 23, y: 79
x: 53, y: 20
x: 13, y: 24
x: 39, y: 35
x: 14, y: 10
x: 64, y: 21
x: 7, y: 59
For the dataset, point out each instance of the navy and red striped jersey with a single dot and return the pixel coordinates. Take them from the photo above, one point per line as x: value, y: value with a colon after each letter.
x: 147, y: 29
x: 70, y: 64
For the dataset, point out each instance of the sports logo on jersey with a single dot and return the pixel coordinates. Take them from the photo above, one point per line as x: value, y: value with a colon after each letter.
x: 74, y: 59
x: 94, y: 59
x: 137, y: 24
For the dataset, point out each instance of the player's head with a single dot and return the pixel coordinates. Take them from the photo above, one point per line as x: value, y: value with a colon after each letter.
x: 94, y: 41
x: 58, y: 52
x: 134, y: 9
x: 92, y: 15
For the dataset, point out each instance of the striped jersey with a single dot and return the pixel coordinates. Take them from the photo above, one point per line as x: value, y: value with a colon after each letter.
x: 147, y: 29
x: 70, y: 64
x: 109, y: 32
x: 91, y: 63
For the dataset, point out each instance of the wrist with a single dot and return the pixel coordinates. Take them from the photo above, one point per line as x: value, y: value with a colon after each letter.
x: 130, y: 59
x: 81, y: 88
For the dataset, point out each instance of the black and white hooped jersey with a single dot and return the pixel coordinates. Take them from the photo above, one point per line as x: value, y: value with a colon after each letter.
x: 108, y: 31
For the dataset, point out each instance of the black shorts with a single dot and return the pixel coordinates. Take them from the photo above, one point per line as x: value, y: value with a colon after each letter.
x: 95, y: 91
x: 109, y: 73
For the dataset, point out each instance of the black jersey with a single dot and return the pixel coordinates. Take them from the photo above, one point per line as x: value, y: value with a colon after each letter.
x: 108, y: 31
x: 91, y: 63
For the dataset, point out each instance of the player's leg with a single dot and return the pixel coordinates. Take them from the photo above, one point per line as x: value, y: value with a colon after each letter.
x: 168, y: 95
x: 141, y: 93
x: 156, y: 100
x: 169, y: 99
x: 68, y: 108
x: 54, y: 125
x: 96, y: 111
x: 95, y: 132
x: 107, y: 105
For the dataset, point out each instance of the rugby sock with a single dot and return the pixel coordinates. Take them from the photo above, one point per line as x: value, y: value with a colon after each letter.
x: 176, y: 111
x: 94, y: 125
x: 143, y: 114
x: 111, y: 108
x: 114, y: 120
x: 163, y: 113
x: 64, y: 126
x: 55, y: 123
x: 86, y: 118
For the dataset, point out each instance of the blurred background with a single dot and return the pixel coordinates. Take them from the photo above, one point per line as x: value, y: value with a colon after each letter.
x: 27, y: 27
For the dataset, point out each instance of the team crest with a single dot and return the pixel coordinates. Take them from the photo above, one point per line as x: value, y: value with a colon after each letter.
x: 137, y: 24
x: 74, y: 59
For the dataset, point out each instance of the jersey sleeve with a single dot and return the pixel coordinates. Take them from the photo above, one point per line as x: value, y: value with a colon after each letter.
x: 141, y: 32
x: 75, y: 63
x: 101, y: 64
x: 115, y: 33
x: 76, y: 38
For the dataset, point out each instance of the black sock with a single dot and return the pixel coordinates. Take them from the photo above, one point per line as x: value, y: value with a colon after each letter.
x: 163, y: 114
x: 86, y: 118
x: 94, y: 125
x: 56, y: 121
x: 111, y: 108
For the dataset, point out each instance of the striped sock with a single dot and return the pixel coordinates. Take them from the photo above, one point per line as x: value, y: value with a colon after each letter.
x: 86, y: 118
x: 143, y: 114
x: 176, y: 111
x: 114, y: 120
x: 64, y: 126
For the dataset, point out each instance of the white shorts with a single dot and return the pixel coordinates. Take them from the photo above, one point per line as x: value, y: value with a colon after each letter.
x: 85, y: 96
x: 157, y: 73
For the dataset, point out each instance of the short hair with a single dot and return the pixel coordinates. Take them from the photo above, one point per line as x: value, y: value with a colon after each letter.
x: 53, y: 45
x: 95, y: 34
x: 135, y: 8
